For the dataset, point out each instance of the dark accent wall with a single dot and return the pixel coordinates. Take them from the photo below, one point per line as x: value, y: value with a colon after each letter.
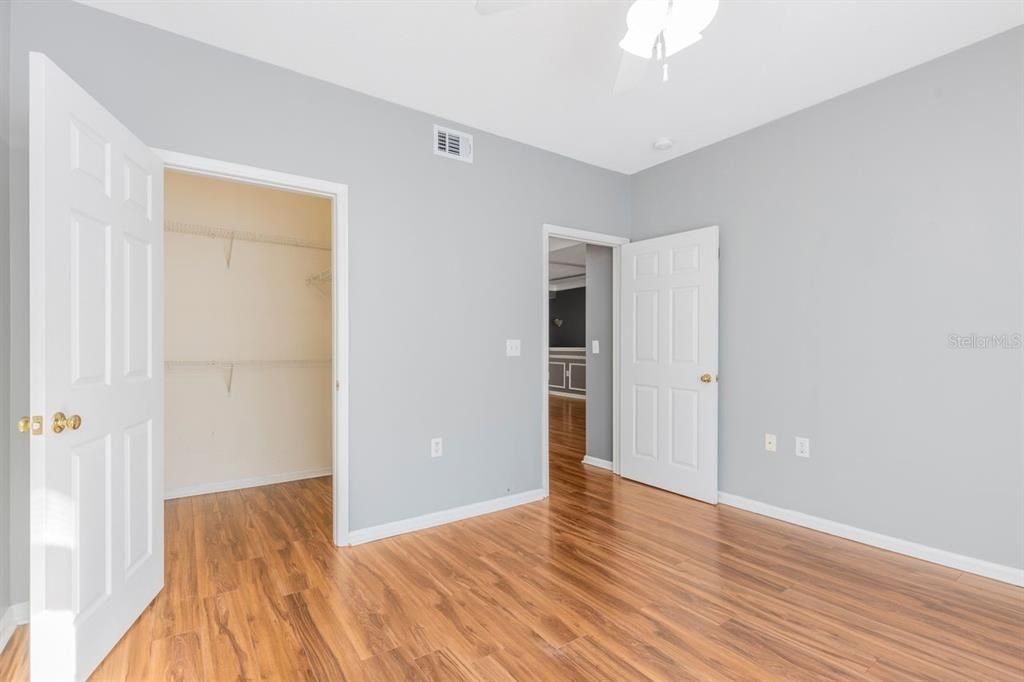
x: 571, y: 307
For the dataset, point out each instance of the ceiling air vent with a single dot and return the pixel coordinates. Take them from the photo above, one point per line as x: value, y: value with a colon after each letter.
x: 453, y: 144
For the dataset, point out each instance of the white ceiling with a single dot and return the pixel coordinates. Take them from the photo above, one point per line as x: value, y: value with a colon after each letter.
x: 543, y: 72
x: 566, y: 259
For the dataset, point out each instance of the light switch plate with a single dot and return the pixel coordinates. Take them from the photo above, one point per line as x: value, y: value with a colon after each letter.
x: 803, y: 446
x: 770, y: 442
x: 595, y: 347
x: 513, y: 348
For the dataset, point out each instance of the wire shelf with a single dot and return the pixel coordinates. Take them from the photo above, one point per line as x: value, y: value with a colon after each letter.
x: 229, y: 366
x: 198, y: 230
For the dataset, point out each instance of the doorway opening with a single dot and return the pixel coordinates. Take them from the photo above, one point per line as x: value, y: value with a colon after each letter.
x: 247, y: 339
x: 256, y: 333
x: 580, y: 329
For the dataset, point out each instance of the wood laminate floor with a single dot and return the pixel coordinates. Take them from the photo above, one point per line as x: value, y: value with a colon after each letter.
x: 607, y: 579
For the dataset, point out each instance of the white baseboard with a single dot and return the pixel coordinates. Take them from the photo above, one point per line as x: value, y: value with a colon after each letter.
x: 386, y: 530
x: 15, y: 615
x: 240, y: 483
x: 596, y: 462
x: 1006, y: 574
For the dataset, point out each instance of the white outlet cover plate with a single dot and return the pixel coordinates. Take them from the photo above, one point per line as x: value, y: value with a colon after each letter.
x: 436, y: 447
x: 803, y: 446
x: 770, y: 442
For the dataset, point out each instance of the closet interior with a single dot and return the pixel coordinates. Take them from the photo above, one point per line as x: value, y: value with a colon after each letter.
x: 248, y: 335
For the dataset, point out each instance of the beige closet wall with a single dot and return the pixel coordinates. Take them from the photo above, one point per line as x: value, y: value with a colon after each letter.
x: 275, y: 423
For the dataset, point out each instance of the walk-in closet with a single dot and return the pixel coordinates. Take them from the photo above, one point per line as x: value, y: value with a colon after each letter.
x: 248, y: 335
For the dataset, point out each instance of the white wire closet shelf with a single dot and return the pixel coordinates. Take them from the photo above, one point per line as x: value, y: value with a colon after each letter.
x: 231, y: 235
x: 213, y: 232
x: 229, y: 366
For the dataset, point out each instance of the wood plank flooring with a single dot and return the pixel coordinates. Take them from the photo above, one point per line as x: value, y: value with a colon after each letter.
x: 605, y: 580
x: 14, y: 658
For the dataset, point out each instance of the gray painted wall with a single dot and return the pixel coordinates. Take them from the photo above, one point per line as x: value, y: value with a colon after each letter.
x: 599, y: 367
x: 5, y: 432
x: 420, y: 227
x: 856, y: 236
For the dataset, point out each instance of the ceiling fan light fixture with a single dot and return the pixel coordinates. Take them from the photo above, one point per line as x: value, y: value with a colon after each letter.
x: 637, y: 43
x: 672, y: 26
x: 647, y: 16
x: 677, y: 40
x: 692, y: 16
x: 644, y: 21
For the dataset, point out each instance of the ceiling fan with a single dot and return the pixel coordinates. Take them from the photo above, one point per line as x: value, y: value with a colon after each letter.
x: 655, y: 30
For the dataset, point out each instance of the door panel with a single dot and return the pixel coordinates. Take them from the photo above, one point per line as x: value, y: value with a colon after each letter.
x: 138, y: 302
x: 96, y: 316
x: 669, y: 340
x: 91, y: 501
x: 684, y: 437
x: 90, y: 298
x: 684, y: 324
x: 138, y: 495
x: 645, y: 326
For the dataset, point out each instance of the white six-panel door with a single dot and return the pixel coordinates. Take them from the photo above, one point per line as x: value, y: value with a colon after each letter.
x: 96, y: 261
x: 669, y: 363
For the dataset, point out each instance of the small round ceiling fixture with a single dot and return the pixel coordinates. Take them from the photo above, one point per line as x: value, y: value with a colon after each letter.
x: 663, y: 144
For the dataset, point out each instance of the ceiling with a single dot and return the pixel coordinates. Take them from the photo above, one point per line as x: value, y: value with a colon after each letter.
x: 543, y: 72
x: 567, y: 259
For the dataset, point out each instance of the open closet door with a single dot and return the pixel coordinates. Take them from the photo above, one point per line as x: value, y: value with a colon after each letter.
x: 669, y: 363
x: 96, y: 364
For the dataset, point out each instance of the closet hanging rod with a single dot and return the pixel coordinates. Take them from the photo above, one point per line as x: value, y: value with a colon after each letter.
x: 241, y: 235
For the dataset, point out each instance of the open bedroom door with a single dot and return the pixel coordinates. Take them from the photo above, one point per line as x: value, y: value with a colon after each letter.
x: 96, y: 367
x: 669, y: 363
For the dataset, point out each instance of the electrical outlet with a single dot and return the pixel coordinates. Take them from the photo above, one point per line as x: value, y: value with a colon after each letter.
x: 436, y: 447
x: 513, y: 348
x: 803, y: 446
x: 769, y: 442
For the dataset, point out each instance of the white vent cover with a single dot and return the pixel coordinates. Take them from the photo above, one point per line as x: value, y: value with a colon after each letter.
x: 453, y: 144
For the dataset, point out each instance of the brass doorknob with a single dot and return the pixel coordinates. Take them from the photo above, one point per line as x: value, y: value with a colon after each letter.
x: 61, y: 421
x: 24, y: 424
x: 706, y: 378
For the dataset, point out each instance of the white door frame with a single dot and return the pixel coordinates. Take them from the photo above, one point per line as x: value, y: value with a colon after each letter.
x: 597, y: 239
x: 338, y: 193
